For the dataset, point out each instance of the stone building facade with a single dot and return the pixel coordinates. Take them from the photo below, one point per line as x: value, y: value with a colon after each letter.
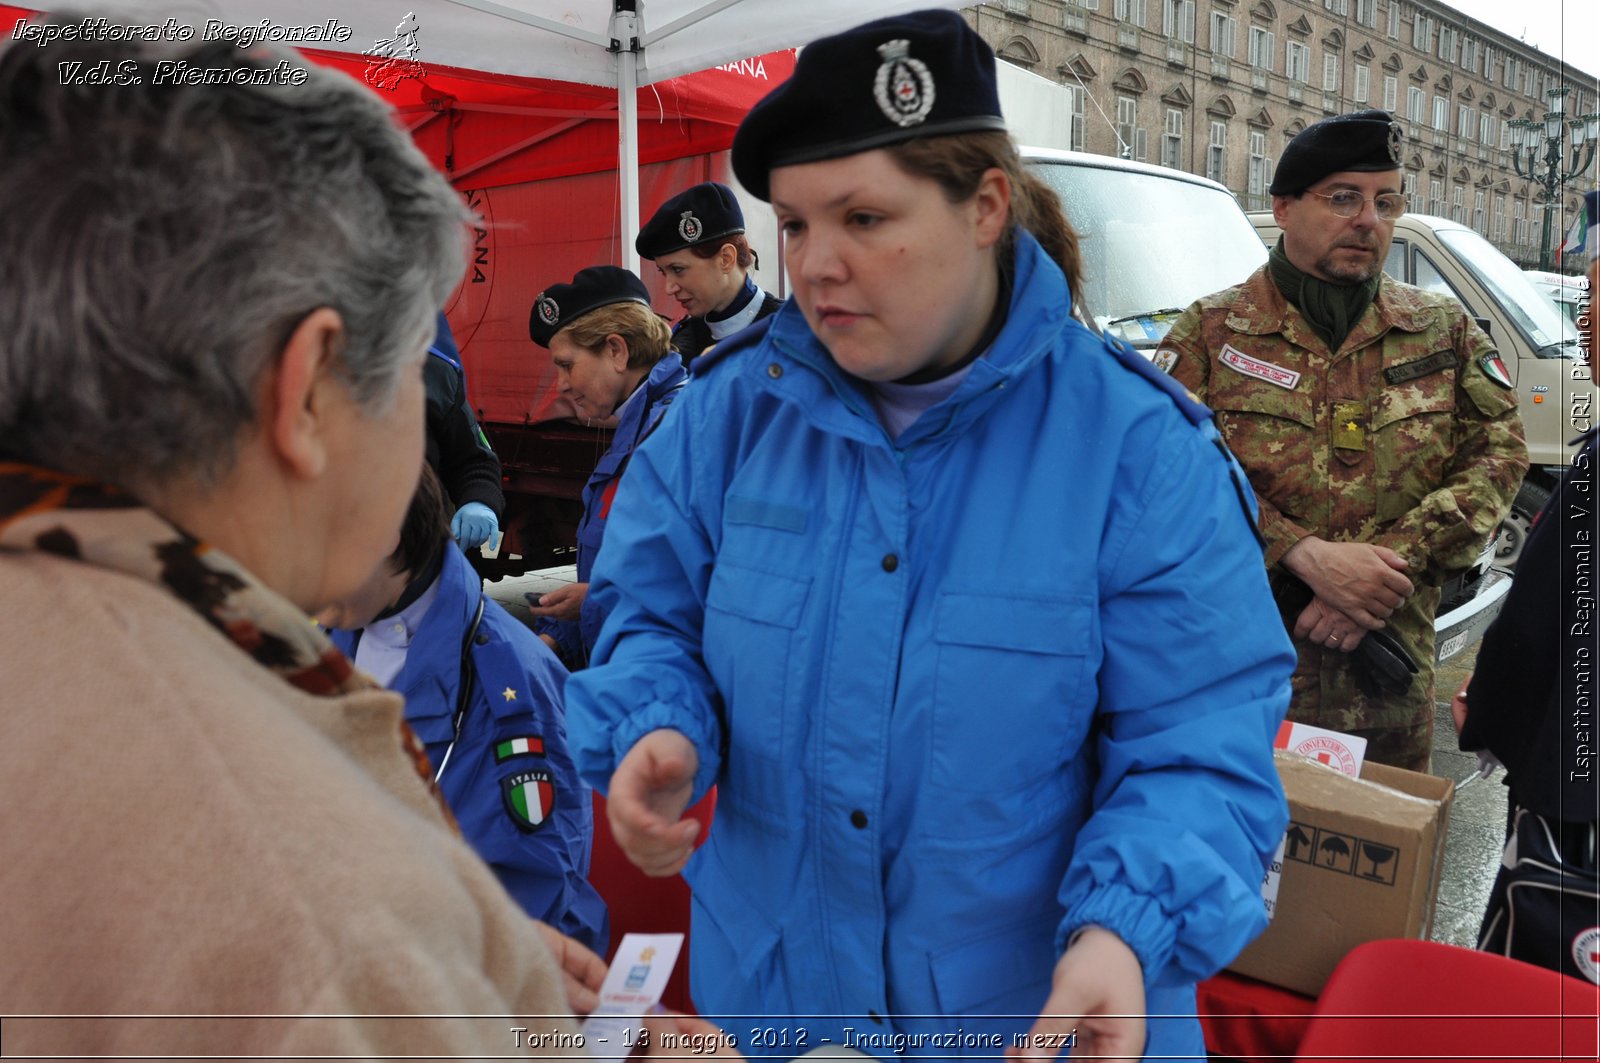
x: 1217, y: 87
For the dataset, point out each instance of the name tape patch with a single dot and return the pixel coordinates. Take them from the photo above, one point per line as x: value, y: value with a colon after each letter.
x: 1240, y: 362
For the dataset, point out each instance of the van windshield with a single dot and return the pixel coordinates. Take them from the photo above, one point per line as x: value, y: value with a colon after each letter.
x: 1151, y: 244
x: 1551, y: 334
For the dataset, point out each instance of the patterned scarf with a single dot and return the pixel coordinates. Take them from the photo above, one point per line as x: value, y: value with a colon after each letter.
x: 1331, y: 310
x: 82, y: 520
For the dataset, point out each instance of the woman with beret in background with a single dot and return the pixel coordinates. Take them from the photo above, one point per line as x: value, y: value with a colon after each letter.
x: 958, y: 605
x: 697, y: 241
x: 611, y: 353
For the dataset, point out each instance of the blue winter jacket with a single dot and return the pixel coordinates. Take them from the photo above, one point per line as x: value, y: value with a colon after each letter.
x: 510, y: 780
x: 666, y: 379
x: 963, y: 692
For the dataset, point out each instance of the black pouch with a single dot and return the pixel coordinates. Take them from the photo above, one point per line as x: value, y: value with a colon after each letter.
x: 1545, y: 905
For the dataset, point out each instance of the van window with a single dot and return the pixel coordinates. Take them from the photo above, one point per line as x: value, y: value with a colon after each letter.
x: 1395, y: 264
x: 1429, y: 279
x: 1151, y: 244
x: 1550, y: 333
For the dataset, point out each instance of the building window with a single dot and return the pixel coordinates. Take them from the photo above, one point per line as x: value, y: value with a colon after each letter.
x: 1519, y: 224
x: 1441, y: 113
x: 1297, y: 62
x: 1367, y: 12
x: 1127, y: 124
x: 1363, y: 83
x: 1422, y: 33
x: 1394, y: 20
x: 1486, y: 130
x: 1338, y: 7
x: 1075, y: 96
x: 1177, y: 20
x: 1479, y: 219
x: 1172, y: 140
x: 1505, y: 137
x: 1330, y: 72
x: 1408, y: 188
x: 1449, y: 43
x: 1465, y: 126
x: 1261, y: 48
x: 1224, y: 35
x: 1260, y: 170
x: 1458, y: 205
x: 1088, y: 5
x: 1435, y: 196
x: 1391, y: 92
x: 1416, y: 102
x: 1488, y: 62
x: 1498, y: 234
x: 1130, y: 12
x: 1469, y: 54
x: 1217, y: 153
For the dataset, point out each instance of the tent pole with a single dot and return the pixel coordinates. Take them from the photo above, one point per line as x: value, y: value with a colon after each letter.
x: 626, y: 26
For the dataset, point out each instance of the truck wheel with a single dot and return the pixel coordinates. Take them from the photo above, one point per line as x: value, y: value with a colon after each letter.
x: 1514, y: 530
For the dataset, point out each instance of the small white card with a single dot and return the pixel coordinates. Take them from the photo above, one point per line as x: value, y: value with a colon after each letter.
x: 1337, y: 750
x: 633, y: 987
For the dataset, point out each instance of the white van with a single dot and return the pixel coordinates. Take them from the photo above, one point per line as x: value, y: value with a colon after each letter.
x: 1537, y: 343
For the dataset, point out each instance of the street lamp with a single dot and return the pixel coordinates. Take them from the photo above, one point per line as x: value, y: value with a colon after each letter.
x: 1526, y: 137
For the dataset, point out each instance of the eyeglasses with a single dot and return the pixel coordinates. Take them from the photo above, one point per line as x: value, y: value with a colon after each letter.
x: 1347, y: 203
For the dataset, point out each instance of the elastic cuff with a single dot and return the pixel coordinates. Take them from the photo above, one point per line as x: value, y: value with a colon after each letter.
x: 658, y: 716
x: 1136, y: 918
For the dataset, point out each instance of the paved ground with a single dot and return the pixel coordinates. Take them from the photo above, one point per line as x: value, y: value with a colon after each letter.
x: 1477, y: 817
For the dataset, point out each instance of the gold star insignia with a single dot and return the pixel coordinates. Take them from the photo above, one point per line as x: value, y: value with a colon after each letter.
x: 509, y: 694
x: 1351, y: 426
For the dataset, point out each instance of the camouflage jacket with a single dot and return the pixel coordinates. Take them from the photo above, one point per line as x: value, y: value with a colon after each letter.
x: 1400, y: 438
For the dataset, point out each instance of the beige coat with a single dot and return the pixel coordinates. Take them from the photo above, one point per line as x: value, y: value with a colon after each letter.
x: 184, y: 833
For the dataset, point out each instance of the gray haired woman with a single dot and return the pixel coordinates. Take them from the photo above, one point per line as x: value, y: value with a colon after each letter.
x: 214, y: 306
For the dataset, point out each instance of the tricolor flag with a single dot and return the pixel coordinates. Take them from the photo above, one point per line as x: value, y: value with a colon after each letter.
x: 530, y: 745
x: 1580, y: 237
x: 530, y: 797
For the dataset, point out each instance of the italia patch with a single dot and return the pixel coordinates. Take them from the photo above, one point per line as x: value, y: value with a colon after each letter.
x: 1240, y: 362
x: 530, y: 797
x: 1495, y: 369
x: 522, y: 746
x: 1164, y: 359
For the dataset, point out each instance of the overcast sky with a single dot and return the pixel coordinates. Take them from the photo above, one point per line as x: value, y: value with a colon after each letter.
x: 1566, y: 29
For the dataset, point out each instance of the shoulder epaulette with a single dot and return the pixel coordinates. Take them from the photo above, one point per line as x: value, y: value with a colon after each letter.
x: 446, y: 359
x: 744, y: 338
x: 1191, y: 407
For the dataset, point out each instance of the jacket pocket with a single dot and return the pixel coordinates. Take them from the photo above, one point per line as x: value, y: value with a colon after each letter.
x: 1005, y: 971
x: 1412, y: 439
x: 750, y: 622
x: 1273, y: 432
x: 1011, y: 690
x: 737, y: 964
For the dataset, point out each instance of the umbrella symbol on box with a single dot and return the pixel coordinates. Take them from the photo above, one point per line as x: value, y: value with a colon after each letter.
x: 1335, y: 846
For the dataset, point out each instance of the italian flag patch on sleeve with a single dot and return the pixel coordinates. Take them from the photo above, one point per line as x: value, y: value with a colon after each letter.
x: 527, y: 746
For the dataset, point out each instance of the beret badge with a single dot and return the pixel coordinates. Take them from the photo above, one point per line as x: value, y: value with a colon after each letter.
x: 903, y: 86
x: 547, y: 309
x: 1395, y: 142
x: 689, y: 226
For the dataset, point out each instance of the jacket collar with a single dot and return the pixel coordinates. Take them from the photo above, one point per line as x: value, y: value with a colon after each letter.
x: 1258, y: 308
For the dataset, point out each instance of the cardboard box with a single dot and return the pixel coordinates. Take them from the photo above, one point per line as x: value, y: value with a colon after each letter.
x: 1361, y: 860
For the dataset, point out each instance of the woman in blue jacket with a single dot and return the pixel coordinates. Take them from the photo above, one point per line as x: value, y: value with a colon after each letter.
x: 958, y: 605
x: 485, y: 699
x: 611, y: 353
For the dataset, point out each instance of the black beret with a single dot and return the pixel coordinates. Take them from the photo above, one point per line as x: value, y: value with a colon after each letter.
x: 561, y: 304
x: 918, y: 75
x: 704, y: 213
x: 1364, y: 142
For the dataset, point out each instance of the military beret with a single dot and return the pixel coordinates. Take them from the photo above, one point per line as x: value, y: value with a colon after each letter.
x: 704, y: 213
x: 561, y: 304
x: 1364, y: 142
x: 922, y: 74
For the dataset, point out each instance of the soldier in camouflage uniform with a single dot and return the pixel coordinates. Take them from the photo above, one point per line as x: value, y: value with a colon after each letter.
x: 1375, y: 420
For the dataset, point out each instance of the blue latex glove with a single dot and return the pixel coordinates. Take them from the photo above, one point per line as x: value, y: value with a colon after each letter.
x: 474, y: 525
